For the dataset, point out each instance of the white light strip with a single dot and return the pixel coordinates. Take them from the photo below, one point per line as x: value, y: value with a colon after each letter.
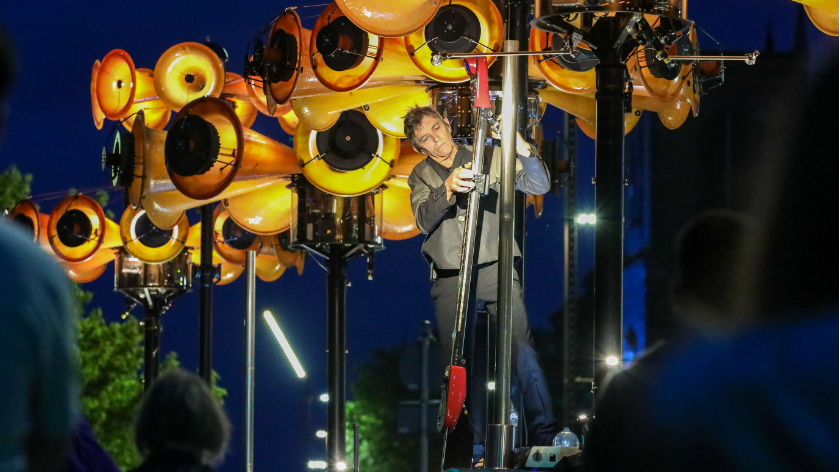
x: 317, y: 464
x: 298, y: 369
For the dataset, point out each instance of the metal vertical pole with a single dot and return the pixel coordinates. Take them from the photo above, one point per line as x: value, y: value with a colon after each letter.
x: 499, y: 436
x: 569, y: 288
x: 151, y: 343
x: 205, y: 305
x: 250, y: 328
x: 612, y: 78
x: 336, y: 446
x: 424, y: 394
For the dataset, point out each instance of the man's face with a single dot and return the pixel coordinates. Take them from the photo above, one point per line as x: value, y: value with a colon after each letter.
x: 434, y: 139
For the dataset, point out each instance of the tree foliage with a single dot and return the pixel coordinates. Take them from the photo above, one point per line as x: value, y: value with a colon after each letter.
x: 14, y: 187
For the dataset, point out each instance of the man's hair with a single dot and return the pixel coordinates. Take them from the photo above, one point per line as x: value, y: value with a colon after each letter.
x: 414, y: 118
x: 180, y: 412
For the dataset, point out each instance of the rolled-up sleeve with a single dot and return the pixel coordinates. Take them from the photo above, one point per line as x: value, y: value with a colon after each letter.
x: 533, y: 178
x: 428, y: 203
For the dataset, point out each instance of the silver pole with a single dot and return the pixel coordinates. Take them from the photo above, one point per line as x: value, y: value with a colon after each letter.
x: 500, y: 435
x: 250, y: 328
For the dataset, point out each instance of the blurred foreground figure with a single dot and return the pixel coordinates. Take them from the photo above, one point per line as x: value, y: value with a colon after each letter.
x: 180, y: 427
x: 39, y: 378
x: 763, y: 398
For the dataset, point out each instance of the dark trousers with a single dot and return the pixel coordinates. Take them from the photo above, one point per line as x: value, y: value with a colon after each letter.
x: 537, y: 400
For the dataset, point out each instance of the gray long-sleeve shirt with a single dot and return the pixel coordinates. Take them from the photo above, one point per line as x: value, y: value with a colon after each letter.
x: 444, y: 220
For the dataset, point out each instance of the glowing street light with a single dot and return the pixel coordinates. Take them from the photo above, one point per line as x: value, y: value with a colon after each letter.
x: 275, y: 328
x: 324, y: 397
x: 341, y: 466
x: 317, y: 465
x: 490, y: 385
x: 586, y: 219
x: 611, y: 361
x: 320, y: 433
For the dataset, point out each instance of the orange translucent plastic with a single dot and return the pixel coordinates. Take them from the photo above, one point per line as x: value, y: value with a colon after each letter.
x: 584, y: 108
x: 288, y: 23
x: 349, y: 183
x: 288, y: 120
x: 98, y: 114
x: 266, y: 211
x: 156, y: 112
x: 268, y: 266
x: 388, y: 18
x: 453, y: 70
x: 225, y: 250
x: 307, y: 84
x: 236, y: 92
x: 27, y: 211
x: 289, y: 258
x: 254, y: 156
x: 188, y: 71
x: 387, y: 115
x: 115, y: 84
x: 104, y: 233
x: 536, y: 201
x: 228, y: 273
x: 563, y: 79
x: 321, y: 112
x: 659, y: 88
x: 824, y: 14
x: 90, y: 269
x: 131, y: 239
x: 408, y: 159
x: 397, y: 216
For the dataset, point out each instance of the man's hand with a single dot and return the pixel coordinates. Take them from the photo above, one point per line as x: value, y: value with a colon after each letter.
x: 522, y: 147
x: 460, y: 180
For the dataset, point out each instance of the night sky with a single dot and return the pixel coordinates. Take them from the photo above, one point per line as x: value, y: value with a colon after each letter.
x: 50, y: 134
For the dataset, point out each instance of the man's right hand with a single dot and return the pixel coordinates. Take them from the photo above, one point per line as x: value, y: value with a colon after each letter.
x: 460, y: 180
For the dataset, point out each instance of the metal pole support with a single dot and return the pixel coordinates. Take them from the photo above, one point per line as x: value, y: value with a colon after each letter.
x: 250, y: 328
x: 336, y: 446
x: 205, y: 304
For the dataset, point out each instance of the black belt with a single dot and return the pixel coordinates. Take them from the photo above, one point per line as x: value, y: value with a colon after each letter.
x: 446, y: 273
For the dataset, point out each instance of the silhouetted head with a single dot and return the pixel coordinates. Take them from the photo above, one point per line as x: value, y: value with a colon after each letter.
x: 179, y: 413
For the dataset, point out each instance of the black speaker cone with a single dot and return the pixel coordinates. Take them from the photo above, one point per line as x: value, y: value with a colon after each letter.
x: 235, y: 236
x: 192, y: 146
x: 456, y: 28
x: 342, y: 44
x: 150, y: 235
x: 350, y: 144
x: 74, y: 228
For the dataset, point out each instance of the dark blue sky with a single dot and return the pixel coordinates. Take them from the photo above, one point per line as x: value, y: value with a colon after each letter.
x: 50, y: 134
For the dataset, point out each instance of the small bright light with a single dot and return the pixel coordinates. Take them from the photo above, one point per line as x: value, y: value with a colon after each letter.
x: 324, y: 397
x: 272, y: 323
x: 586, y: 219
x: 317, y: 464
x: 612, y: 361
x: 321, y: 433
x: 491, y: 386
x: 582, y: 417
x: 341, y: 466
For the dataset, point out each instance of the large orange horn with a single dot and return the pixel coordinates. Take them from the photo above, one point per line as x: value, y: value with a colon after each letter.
x: 344, y: 57
x: 286, y: 256
x: 389, y: 19
x: 118, y: 91
x: 26, y: 215
x: 78, y: 228
x: 138, y: 164
x: 568, y: 73
x: 387, y: 115
x: 322, y: 112
x: 235, y: 91
x: 188, y: 71
x: 230, y: 240
x: 459, y: 26
x: 397, y: 216
x: 266, y: 211
x: 351, y: 158
x: 89, y: 269
x: 268, y: 266
x: 145, y: 241
x: 207, y: 150
x: 663, y: 81
x: 824, y: 14
x: 227, y: 273
x: 584, y: 108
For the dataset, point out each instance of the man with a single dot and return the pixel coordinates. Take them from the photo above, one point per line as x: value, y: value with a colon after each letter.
x: 439, y: 186
x: 39, y: 392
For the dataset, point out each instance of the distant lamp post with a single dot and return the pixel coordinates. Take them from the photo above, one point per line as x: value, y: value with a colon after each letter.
x: 320, y: 433
x: 491, y: 386
x: 289, y: 352
x: 324, y: 397
x: 317, y: 465
x: 341, y: 466
x: 586, y: 219
x: 611, y: 361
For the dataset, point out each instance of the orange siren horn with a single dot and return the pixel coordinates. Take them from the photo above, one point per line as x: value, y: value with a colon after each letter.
x: 235, y: 91
x: 78, y: 228
x: 231, y: 241
x: 268, y: 265
x: 118, y: 91
x: 584, y: 108
x: 387, y: 115
x: 26, y: 215
x: 571, y: 73
x: 266, y: 211
x: 397, y: 216
x: 148, y: 243
x: 824, y: 14
x: 387, y: 18
x: 188, y: 71
x: 286, y: 256
x: 459, y: 26
x: 90, y: 269
x: 350, y: 158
